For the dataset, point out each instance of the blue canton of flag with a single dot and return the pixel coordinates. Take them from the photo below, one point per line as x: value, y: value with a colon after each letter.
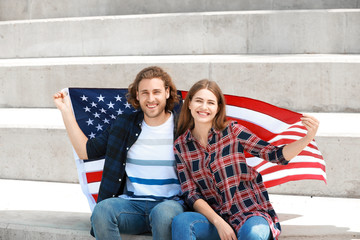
x: 95, y: 109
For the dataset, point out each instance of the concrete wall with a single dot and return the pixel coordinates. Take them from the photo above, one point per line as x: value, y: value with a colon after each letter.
x: 301, y: 83
x: 35, y: 9
x: 262, y: 32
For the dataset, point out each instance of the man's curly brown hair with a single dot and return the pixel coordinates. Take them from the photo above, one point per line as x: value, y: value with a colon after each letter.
x: 150, y: 73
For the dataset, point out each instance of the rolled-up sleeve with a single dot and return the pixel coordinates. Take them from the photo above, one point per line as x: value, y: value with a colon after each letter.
x: 96, y: 147
x: 258, y: 147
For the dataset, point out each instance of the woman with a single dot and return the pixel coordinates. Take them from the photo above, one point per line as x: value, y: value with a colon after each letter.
x: 228, y: 196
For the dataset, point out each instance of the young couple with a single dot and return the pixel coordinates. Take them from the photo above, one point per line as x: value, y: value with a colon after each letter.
x: 141, y: 189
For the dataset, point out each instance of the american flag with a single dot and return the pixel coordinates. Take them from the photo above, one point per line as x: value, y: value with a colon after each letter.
x: 96, y: 108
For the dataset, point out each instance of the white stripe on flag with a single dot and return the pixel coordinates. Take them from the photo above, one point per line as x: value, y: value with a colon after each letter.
x: 94, y: 166
x: 269, y: 123
x: 94, y: 187
x: 292, y: 172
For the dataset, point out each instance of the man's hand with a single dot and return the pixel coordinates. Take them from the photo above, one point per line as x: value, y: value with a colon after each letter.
x: 77, y: 137
x: 62, y: 101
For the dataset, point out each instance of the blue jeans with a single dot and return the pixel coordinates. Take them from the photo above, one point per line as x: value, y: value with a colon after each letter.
x: 193, y: 225
x: 113, y: 216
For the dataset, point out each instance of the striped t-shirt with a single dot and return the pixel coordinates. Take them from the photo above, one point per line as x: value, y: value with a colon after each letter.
x: 150, y: 164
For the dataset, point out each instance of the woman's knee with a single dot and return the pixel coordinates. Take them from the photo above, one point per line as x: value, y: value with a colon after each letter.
x: 255, y: 228
x: 183, y: 219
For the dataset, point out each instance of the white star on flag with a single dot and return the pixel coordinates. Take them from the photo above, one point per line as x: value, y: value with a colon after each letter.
x: 90, y: 122
x: 92, y: 135
x: 87, y: 109
x: 101, y: 98
x: 83, y: 98
x: 111, y: 105
x: 99, y: 127
x: 119, y: 111
x: 118, y: 98
x: 127, y: 105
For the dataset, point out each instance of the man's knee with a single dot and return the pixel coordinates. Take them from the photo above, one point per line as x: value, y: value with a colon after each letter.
x: 102, y: 212
x: 163, y: 213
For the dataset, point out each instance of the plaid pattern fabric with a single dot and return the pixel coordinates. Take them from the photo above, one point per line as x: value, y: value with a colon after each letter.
x: 219, y: 174
x: 114, y: 144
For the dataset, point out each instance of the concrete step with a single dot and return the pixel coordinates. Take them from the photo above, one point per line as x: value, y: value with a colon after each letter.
x: 36, y: 147
x: 39, y: 9
x: 43, y: 210
x: 314, y: 83
x: 242, y: 32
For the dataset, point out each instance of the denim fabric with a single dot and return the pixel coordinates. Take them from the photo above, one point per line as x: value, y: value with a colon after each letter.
x: 255, y: 228
x: 195, y: 226
x: 113, y: 216
x: 191, y: 226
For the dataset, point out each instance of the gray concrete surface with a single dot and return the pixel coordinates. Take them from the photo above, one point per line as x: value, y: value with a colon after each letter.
x: 252, y: 32
x: 43, y: 210
x: 35, y: 9
x: 39, y: 145
x: 314, y: 83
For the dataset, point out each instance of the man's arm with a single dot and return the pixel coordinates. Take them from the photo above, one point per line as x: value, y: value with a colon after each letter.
x: 77, y: 137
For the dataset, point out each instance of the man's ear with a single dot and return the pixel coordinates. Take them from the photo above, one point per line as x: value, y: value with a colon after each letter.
x: 137, y: 95
x: 167, y: 92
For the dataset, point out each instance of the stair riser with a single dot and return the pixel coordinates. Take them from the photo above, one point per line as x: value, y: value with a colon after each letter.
x: 199, y: 33
x: 35, y: 9
x: 300, y: 86
x: 46, y: 155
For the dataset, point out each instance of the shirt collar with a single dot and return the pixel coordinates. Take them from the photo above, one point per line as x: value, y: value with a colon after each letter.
x: 189, y: 137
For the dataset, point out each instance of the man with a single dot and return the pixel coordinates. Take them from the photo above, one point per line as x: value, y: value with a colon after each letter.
x: 139, y: 190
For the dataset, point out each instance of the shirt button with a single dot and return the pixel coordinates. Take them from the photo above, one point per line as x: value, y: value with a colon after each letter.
x: 113, y: 195
x: 124, y: 164
x: 127, y: 148
x: 137, y: 134
x: 119, y: 179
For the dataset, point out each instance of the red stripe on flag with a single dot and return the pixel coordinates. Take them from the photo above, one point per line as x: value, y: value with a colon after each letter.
x: 95, y: 196
x: 93, y: 176
x: 183, y: 94
x: 286, y: 179
x: 261, y: 132
x: 282, y: 114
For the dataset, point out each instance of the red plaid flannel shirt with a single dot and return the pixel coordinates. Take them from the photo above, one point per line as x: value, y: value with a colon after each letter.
x: 219, y: 174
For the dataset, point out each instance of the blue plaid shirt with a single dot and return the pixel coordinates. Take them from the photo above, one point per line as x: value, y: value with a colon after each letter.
x: 114, y: 144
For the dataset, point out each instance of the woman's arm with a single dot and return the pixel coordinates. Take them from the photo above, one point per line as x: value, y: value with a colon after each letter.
x: 293, y: 149
x: 224, y: 229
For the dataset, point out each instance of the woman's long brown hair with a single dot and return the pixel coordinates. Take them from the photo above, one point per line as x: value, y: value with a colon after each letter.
x: 186, y: 120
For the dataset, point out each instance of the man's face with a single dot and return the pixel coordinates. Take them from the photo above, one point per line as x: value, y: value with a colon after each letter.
x: 152, y: 97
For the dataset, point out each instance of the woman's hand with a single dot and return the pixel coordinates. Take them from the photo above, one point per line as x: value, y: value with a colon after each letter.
x: 311, y: 124
x: 225, y: 231
x: 293, y: 149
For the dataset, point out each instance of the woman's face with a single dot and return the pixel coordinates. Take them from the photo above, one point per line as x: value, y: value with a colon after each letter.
x: 203, y: 106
